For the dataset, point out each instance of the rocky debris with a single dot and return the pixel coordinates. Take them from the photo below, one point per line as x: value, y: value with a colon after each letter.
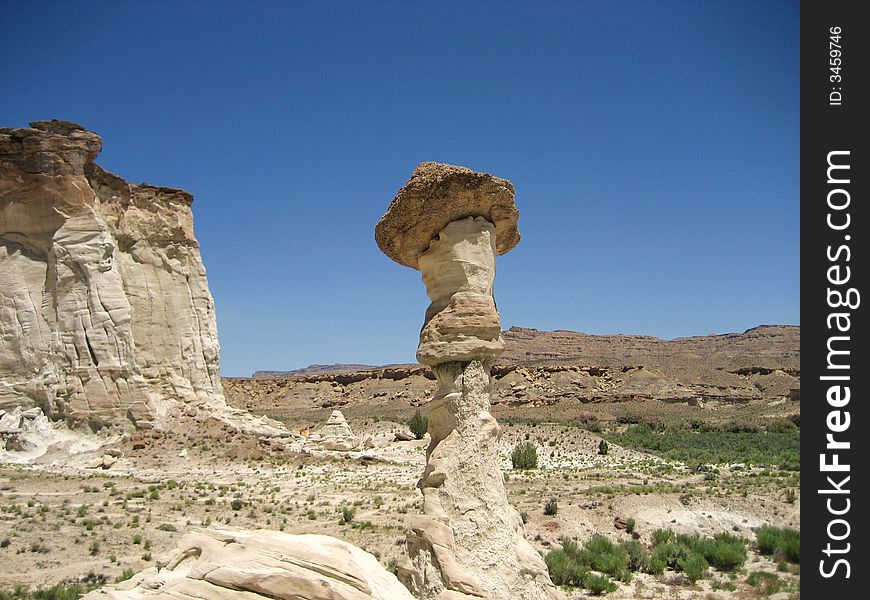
x: 445, y: 193
x: 10, y: 421
x: 28, y: 435
x: 106, y: 461
x: 403, y: 436
x: 450, y: 223
x: 106, y: 317
x: 335, y: 435
x: 260, y: 565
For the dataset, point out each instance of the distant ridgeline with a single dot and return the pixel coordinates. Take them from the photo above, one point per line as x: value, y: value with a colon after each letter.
x: 766, y: 347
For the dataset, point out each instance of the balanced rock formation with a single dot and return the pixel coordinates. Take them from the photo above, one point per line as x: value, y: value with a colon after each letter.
x: 450, y: 223
x: 260, y: 565
x: 105, y: 312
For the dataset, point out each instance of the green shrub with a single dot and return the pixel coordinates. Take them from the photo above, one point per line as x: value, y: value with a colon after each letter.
x: 638, y: 557
x: 733, y: 443
x: 61, y: 591
x: 670, y: 553
x: 551, y: 507
x: 600, y: 584
x: 125, y: 575
x: 600, y: 554
x: 347, y: 513
x: 724, y: 551
x: 630, y: 524
x: 419, y: 425
x: 603, y: 448
x: 662, y: 536
x: 769, y: 583
x: 694, y: 566
x: 236, y: 504
x: 784, y: 543
x: 570, y: 565
x: 524, y: 456
x: 565, y: 570
x: 656, y: 566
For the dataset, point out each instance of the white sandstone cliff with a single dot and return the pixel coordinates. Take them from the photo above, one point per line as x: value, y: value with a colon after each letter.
x: 105, y: 313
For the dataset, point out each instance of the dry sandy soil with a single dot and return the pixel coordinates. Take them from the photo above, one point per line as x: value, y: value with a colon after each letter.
x: 60, y: 521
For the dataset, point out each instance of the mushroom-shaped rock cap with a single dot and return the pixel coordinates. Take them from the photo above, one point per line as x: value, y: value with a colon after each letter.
x: 437, y: 194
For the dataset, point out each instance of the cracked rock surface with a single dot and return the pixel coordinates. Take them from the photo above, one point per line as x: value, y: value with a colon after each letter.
x: 105, y: 312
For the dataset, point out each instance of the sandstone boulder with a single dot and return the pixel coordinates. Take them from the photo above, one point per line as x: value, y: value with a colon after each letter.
x: 260, y: 565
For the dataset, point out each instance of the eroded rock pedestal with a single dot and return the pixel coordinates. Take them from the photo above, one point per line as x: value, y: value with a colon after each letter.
x: 469, y: 541
x: 335, y: 435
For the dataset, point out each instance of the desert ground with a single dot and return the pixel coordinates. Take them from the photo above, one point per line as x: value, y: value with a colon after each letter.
x: 62, y: 522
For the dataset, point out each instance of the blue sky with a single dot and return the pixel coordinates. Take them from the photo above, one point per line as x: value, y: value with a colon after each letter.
x: 653, y: 147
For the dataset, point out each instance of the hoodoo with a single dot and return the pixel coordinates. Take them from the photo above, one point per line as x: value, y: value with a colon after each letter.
x: 450, y: 223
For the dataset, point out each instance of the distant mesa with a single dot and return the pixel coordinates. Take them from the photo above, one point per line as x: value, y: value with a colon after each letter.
x: 314, y: 369
x: 773, y: 345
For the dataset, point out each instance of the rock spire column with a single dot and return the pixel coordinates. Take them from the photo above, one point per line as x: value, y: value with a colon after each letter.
x: 450, y: 223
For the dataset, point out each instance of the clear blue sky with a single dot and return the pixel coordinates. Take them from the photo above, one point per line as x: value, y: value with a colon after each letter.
x: 653, y: 147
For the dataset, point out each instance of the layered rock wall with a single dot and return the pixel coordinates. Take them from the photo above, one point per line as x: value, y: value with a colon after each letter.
x: 105, y: 311
x: 468, y: 543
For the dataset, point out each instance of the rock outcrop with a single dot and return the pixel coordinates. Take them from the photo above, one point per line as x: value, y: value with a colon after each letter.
x: 26, y: 435
x: 335, y: 435
x: 468, y: 543
x: 260, y: 565
x: 105, y: 312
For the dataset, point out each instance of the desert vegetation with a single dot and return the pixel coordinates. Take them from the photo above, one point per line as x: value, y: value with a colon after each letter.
x: 683, y: 525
